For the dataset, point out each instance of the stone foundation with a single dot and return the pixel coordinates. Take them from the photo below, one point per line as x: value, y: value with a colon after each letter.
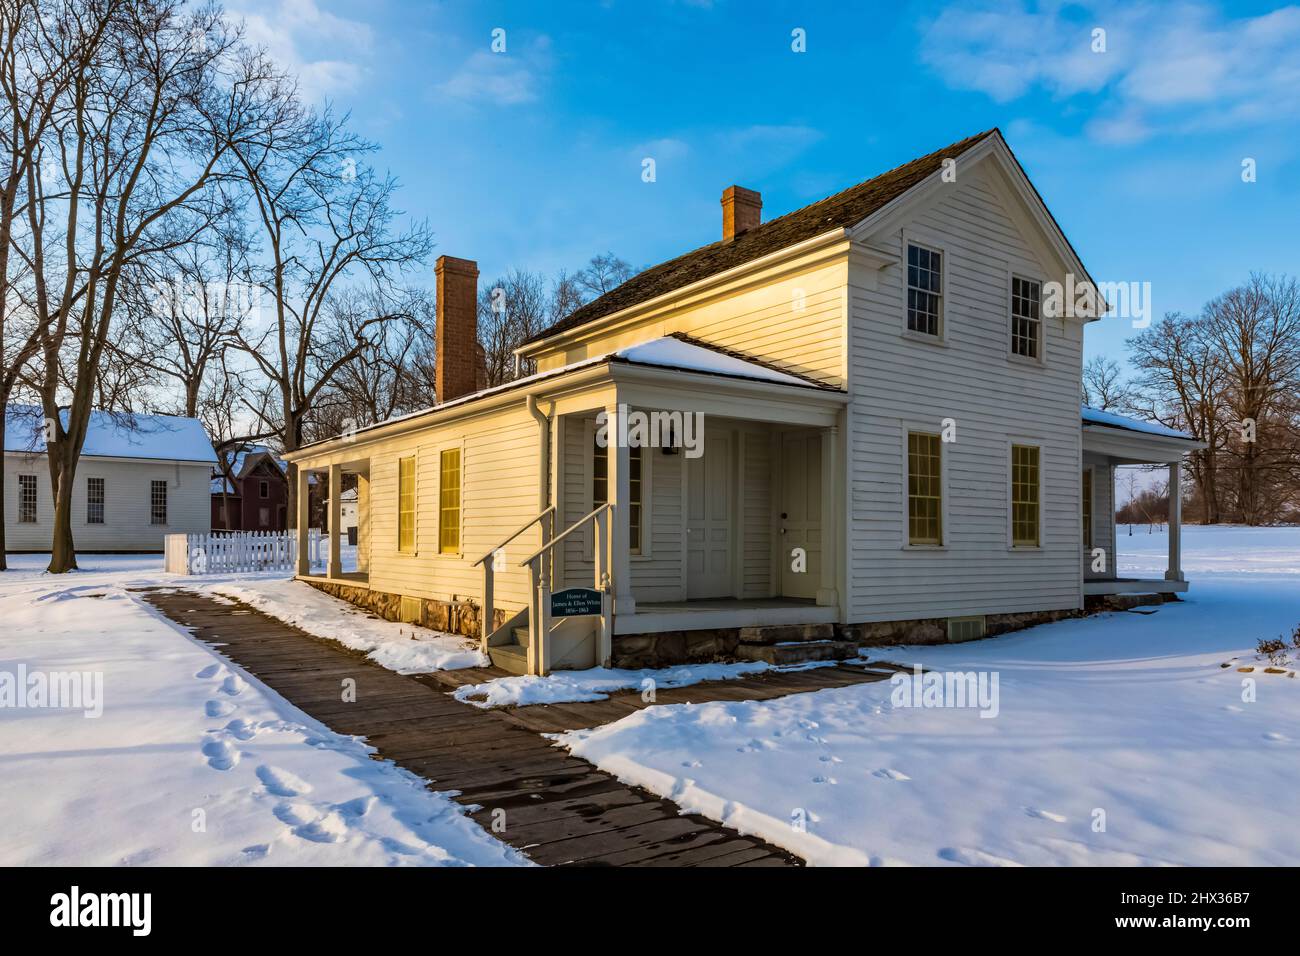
x: 461, y: 617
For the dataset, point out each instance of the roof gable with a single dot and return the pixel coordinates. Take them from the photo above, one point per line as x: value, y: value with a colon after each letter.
x: 840, y: 211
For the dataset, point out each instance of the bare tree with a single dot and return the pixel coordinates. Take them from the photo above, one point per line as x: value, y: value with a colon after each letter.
x: 510, y: 311
x: 1182, y: 386
x: 325, y: 218
x: 1104, y: 386
x: 603, y: 273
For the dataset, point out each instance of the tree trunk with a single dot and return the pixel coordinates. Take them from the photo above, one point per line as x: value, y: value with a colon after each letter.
x: 63, y: 550
x: 4, y: 561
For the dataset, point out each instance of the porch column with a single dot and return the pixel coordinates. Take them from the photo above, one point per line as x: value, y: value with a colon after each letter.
x: 363, y: 522
x: 1175, y: 570
x: 304, y: 518
x: 620, y: 493
x: 827, y: 592
x: 335, y: 567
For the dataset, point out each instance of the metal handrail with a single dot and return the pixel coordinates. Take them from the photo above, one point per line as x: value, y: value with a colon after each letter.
x: 526, y: 526
x: 563, y: 534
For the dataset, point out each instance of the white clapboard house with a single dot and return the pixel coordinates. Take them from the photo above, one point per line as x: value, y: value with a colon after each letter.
x: 893, y: 445
x: 140, y: 477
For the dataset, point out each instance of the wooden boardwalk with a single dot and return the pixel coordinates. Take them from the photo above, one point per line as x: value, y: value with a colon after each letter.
x: 555, y: 808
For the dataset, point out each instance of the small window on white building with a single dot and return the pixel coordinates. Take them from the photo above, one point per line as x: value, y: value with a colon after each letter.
x: 1026, y: 318
x: 924, y: 290
x: 27, y: 499
x: 158, y: 502
x: 94, y: 501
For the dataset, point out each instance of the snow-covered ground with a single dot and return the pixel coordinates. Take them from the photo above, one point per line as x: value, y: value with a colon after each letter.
x: 1119, y: 739
x: 192, y: 761
x: 597, y: 683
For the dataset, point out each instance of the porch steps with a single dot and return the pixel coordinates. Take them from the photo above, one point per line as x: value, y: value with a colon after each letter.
x: 798, y: 652
x: 782, y: 644
x: 512, y: 657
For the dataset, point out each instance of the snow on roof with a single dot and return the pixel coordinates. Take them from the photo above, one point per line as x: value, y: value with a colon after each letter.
x: 670, y: 351
x: 115, y: 435
x: 673, y: 352
x: 1095, y: 416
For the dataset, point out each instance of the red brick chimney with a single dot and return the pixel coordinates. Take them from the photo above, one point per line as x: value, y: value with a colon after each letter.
x: 742, y: 210
x: 456, y: 371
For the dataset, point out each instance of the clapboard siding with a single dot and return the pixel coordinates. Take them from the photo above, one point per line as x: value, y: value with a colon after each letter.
x: 795, y: 323
x: 127, y: 489
x: 898, y: 382
x: 500, y: 464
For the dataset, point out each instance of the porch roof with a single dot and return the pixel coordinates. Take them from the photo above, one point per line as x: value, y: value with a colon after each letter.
x: 1132, y: 441
x: 677, y: 353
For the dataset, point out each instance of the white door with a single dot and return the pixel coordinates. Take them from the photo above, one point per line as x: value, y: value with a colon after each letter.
x: 800, y: 526
x: 708, y: 519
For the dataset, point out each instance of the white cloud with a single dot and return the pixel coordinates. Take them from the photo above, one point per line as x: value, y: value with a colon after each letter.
x: 1180, y: 67
x: 322, y: 48
x: 505, y: 79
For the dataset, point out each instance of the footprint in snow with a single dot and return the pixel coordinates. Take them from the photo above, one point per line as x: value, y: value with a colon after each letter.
x: 888, y: 773
x: 830, y: 758
x: 221, y: 756
x: 241, y: 729
x: 233, y: 685
x: 329, y: 828
x: 1043, y: 814
x: 219, y: 708
x: 212, y: 670
x: 295, y: 814
x: 823, y: 779
x: 357, y: 808
x: 258, y: 851
x: 281, y: 782
x: 1274, y: 736
x: 968, y: 856
x: 691, y: 763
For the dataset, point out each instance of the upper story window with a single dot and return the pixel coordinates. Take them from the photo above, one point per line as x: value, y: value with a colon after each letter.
x: 94, y: 501
x: 26, y: 499
x: 264, y: 489
x: 406, y: 504
x: 1026, y: 318
x: 924, y: 289
x: 158, y: 502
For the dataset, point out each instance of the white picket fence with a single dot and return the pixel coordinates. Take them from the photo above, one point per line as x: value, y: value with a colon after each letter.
x: 226, y: 552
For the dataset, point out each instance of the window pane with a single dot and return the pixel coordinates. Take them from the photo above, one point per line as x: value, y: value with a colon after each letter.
x: 1087, y: 509
x: 1026, y: 328
x: 634, y: 492
x: 27, y: 499
x: 924, y: 289
x: 94, y: 501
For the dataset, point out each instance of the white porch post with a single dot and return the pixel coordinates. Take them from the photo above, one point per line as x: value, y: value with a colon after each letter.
x: 827, y: 593
x: 1175, y: 570
x: 363, y: 522
x: 334, y: 568
x: 620, y: 493
x: 304, y: 518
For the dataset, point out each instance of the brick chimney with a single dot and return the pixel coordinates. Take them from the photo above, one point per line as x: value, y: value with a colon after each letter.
x: 456, y: 370
x: 742, y: 210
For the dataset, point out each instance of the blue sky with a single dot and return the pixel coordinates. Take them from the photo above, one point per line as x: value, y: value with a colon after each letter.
x: 532, y: 158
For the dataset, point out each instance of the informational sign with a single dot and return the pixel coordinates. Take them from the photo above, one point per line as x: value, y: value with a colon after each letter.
x: 575, y: 602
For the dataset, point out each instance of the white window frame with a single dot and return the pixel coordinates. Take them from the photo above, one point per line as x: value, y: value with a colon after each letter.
x: 153, y: 485
x: 103, y: 501
x: 1042, y: 472
x: 928, y: 428
x: 1041, y: 358
x: 941, y: 335
x: 36, y: 499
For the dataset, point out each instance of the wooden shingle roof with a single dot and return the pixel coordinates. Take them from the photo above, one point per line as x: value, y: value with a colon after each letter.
x: 841, y: 210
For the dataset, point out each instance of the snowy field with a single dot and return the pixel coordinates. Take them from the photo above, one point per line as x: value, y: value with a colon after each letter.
x: 1119, y: 739
x: 192, y: 762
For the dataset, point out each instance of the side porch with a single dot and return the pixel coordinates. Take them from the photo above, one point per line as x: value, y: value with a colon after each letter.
x: 1110, y: 441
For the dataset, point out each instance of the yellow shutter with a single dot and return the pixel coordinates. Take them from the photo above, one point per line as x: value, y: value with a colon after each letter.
x: 449, y: 502
x: 406, y: 504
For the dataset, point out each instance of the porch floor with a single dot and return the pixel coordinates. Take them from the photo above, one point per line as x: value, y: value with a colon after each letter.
x: 1119, y: 585
x: 653, y: 617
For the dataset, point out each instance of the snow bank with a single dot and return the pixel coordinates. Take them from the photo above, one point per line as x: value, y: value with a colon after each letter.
x: 404, y: 648
x: 598, y: 682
